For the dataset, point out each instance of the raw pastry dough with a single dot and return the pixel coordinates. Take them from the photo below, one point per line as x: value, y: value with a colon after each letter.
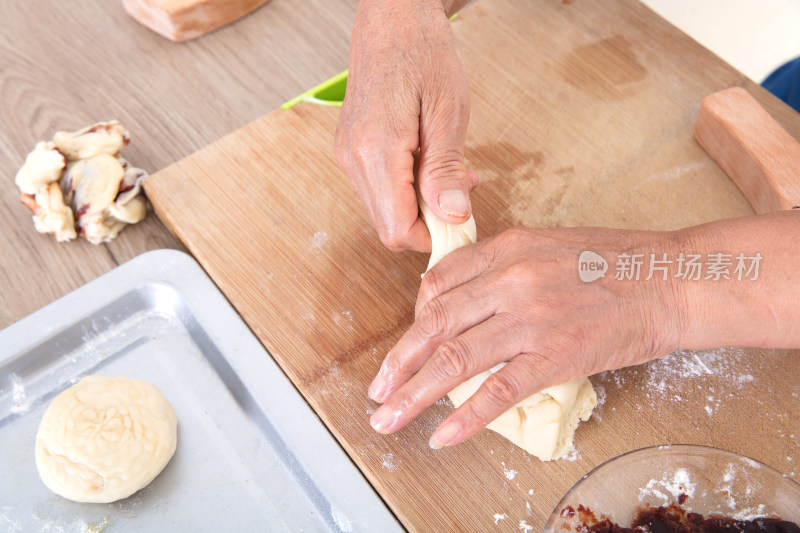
x: 104, y: 438
x: 543, y: 424
x: 78, y: 184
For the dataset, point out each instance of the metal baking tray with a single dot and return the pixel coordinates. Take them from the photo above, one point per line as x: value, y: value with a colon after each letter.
x: 251, y: 455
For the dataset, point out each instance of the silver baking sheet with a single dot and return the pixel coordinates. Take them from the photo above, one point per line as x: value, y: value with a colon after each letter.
x: 251, y: 455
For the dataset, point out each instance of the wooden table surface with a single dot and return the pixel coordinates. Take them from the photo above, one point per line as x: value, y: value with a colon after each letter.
x: 177, y: 98
x: 64, y: 65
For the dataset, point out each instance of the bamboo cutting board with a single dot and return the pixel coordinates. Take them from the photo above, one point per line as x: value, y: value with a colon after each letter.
x: 582, y: 114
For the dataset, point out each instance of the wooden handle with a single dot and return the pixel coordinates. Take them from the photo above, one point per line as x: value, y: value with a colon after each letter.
x: 753, y: 150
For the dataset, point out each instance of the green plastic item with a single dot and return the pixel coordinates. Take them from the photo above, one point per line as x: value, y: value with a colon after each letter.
x: 330, y: 92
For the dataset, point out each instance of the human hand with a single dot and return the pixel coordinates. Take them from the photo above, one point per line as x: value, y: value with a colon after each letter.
x: 517, y: 297
x: 406, y: 90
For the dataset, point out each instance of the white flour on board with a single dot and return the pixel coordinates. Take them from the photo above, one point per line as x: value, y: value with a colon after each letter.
x: 510, y: 474
x: 497, y: 517
x: 319, y: 240
x: 673, y: 376
x: 389, y: 462
x: 572, y: 455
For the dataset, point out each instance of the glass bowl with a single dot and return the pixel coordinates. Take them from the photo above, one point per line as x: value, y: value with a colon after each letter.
x: 714, y: 481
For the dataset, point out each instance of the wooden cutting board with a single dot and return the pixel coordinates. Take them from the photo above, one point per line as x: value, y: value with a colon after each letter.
x: 582, y: 114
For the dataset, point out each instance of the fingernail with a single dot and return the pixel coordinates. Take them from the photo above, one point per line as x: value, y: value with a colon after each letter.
x: 445, y: 435
x: 377, y: 389
x: 454, y: 202
x: 383, y: 419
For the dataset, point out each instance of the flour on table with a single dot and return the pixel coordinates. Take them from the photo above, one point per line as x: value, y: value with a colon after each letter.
x: 319, y: 239
x: 510, y: 474
x: 497, y: 517
x: 389, y: 462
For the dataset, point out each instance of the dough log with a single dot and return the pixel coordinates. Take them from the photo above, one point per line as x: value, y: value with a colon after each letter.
x: 543, y: 424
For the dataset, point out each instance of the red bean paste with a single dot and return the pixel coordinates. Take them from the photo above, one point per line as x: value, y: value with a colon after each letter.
x: 674, y: 519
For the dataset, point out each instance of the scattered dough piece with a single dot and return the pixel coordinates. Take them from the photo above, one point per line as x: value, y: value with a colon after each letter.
x: 50, y: 214
x: 104, y: 192
x: 42, y: 167
x: 104, y: 438
x: 543, y: 424
x: 101, y: 138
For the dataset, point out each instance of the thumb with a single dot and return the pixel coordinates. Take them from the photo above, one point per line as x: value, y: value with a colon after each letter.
x: 444, y: 181
x: 445, y: 185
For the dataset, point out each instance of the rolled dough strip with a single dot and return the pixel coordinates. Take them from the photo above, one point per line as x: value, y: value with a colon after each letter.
x: 543, y: 424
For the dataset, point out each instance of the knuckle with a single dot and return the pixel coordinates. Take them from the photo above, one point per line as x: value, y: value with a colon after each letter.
x: 502, y: 389
x: 433, y: 284
x: 393, y: 367
x: 512, y: 238
x: 391, y: 240
x: 432, y: 320
x: 520, y: 273
x: 472, y: 419
x: 452, y: 359
x: 354, y: 145
x: 444, y: 164
x: 366, y: 152
x: 402, y: 401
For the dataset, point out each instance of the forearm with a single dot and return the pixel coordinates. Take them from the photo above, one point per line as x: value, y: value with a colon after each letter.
x: 755, y: 301
x: 451, y: 7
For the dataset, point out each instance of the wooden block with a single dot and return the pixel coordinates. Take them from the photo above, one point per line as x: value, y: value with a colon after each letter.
x: 753, y: 150
x: 180, y: 20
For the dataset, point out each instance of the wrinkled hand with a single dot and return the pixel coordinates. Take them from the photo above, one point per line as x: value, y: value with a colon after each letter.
x: 406, y: 90
x: 517, y: 297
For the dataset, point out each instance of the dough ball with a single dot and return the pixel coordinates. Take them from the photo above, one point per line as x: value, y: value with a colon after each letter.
x: 104, y: 438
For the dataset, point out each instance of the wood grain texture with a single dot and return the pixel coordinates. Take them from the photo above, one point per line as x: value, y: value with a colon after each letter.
x: 181, y: 20
x: 758, y: 155
x: 65, y: 65
x: 582, y: 114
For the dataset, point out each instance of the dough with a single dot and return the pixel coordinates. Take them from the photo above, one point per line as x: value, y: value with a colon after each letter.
x: 78, y: 184
x: 543, y: 424
x: 104, y: 438
x: 446, y: 237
